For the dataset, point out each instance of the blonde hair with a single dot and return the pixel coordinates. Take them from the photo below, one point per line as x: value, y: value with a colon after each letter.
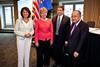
x: 43, y: 10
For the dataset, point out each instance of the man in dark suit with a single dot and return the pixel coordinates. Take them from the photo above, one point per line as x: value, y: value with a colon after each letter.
x: 75, y: 49
x: 61, y: 24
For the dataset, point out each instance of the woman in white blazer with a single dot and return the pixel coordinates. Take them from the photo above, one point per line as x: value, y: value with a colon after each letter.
x: 24, y: 31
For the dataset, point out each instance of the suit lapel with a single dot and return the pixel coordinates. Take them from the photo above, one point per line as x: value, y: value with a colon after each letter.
x: 77, y: 29
x: 61, y: 22
x: 55, y: 22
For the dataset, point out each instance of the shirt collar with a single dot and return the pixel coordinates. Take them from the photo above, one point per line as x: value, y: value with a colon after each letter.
x: 76, y: 23
x: 60, y: 17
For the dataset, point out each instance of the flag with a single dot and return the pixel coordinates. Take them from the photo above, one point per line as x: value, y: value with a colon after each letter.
x: 46, y: 3
x: 37, y: 4
x: 35, y: 9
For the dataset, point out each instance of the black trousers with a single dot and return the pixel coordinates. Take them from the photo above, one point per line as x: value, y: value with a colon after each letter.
x: 57, y: 50
x: 43, y: 53
x: 70, y: 61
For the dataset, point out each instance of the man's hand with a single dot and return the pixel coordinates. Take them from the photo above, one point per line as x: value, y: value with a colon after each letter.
x: 66, y: 42
x: 76, y: 54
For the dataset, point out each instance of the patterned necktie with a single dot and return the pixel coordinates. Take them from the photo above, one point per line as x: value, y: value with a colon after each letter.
x: 73, y: 26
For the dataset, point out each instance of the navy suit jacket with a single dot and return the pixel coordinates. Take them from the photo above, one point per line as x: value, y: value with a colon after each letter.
x: 79, y: 37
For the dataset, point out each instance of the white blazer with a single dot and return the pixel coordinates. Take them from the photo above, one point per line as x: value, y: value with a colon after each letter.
x: 20, y: 28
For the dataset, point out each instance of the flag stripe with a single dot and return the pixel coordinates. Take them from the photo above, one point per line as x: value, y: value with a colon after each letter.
x: 36, y: 5
x: 35, y: 9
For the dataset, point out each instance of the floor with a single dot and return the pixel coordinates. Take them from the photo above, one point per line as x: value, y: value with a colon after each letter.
x: 8, y: 51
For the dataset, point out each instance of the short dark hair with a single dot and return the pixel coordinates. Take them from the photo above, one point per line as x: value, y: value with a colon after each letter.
x: 27, y: 9
x: 61, y: 7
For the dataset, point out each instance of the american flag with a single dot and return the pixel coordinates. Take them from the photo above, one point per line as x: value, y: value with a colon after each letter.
x: 37, y: 4
x: 35, y: 9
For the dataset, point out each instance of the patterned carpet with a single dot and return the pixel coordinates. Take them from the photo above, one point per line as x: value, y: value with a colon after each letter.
x: 8, y: 51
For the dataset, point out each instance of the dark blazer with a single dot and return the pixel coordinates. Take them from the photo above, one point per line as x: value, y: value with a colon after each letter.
x: 79, y: 37
x: 64, y: 26
x: 59, y: 40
